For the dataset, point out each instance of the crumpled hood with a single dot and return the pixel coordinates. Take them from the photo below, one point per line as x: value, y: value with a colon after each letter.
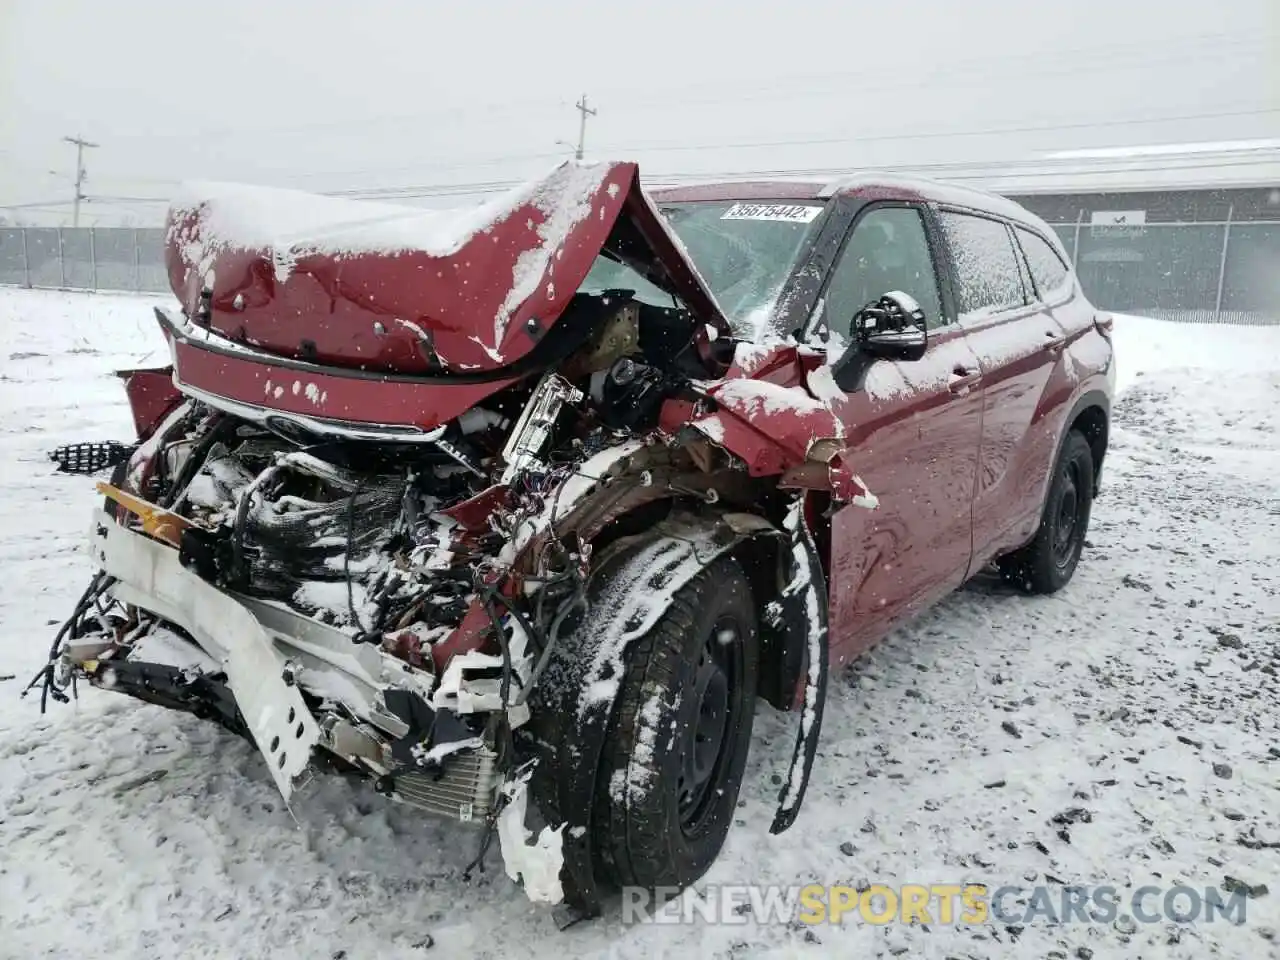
x: 404, y: 290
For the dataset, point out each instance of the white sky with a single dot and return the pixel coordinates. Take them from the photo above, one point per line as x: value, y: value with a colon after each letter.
x: 343, y: 94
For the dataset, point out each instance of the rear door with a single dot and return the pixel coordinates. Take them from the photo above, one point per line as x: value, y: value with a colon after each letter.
x: 1018, y: 344
x: 912, y: 430
x: 1054, y: 285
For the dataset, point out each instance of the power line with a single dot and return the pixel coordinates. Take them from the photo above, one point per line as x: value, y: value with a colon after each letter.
x: 446, y: 189
x: 668, y: 147
x: 942, y: 134
x: 415, y: 191
x: 1069, y: 59
x: 850, y: 84
x: 32, y: 206
x: 947, y: 171
x: 950, y: 170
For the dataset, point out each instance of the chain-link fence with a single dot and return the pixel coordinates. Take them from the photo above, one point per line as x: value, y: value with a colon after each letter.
x: 1227, y: 272
x: 85, y: 258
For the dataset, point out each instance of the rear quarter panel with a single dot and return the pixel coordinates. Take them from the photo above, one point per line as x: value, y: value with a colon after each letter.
x: 1083, y: 377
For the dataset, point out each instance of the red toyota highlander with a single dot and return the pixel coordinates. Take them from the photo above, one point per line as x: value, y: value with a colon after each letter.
x: 534, y: 501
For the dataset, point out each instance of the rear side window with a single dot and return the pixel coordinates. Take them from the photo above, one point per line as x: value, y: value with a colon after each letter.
x: 1051, y: 276
x: 987, y: 276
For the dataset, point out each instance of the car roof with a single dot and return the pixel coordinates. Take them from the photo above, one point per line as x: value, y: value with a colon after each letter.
x: 865, y: 186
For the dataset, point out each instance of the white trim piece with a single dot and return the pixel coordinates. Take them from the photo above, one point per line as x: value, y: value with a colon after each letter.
x: 150, y: 574
x: 536, y: 864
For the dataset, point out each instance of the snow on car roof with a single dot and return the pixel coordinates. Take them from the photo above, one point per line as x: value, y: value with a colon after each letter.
x: 857, y: 184
x: 780, y: 188
x: 250, y: 217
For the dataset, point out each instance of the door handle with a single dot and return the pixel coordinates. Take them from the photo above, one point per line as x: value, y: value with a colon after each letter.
x: 1056, y: 342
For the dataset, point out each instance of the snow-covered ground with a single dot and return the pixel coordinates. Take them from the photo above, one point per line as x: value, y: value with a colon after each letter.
x: 1145, y: 694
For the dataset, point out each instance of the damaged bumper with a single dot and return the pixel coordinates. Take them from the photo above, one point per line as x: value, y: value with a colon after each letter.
x: 149, y: 575
x: 298, y: 684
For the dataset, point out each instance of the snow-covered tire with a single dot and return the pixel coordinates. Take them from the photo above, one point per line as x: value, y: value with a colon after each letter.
x: 1045, y: 565
x: 656, y: 823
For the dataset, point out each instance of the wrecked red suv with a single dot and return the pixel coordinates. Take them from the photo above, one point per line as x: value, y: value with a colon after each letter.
x: 534, y: 501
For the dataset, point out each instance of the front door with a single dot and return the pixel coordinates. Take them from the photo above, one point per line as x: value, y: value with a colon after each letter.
x: 912, y: 432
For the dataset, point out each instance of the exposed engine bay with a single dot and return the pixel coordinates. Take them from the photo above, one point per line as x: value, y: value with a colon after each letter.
x: 415, y: 592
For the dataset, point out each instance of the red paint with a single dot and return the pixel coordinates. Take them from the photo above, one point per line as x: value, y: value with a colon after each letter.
x: 917, y: 453
x: 151, y: 396
x: 325, y: 393
x: 473, y: 513
x: 471, y: 634
x: 792, y: 430
x: 1019, y: 431
x: 372, y: 310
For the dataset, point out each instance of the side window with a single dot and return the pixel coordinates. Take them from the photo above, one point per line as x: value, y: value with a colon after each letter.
x: 988, y: 277
x: 1051, y: 276
x: 887, y: 251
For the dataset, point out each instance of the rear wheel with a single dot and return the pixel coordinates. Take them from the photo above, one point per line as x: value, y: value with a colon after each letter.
x: 675, y: 749
x: 1046, y: 564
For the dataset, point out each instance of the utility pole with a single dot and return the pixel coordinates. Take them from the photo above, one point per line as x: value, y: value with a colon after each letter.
x: 585, y: 112
x: 81, y: 144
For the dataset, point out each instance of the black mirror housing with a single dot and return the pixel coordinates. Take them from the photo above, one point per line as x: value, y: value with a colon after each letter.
x: 891, y: 328
x: 909, y: 343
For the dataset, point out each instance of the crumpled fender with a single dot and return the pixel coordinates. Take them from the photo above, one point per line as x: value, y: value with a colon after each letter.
x: 766, y: 416
x: 151, y: 396
x: 795, y: 422
x: 575, y: 699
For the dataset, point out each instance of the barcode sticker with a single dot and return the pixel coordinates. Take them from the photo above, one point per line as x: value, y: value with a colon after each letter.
x: 787, y: 212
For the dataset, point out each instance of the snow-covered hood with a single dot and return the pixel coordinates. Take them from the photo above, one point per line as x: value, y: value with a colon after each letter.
x: 400, y: 289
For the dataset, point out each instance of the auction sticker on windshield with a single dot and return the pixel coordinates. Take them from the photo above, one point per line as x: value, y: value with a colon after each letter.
x: 789, y: 212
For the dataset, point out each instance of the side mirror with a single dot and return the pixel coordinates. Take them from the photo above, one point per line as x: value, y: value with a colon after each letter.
x: 891, y: 328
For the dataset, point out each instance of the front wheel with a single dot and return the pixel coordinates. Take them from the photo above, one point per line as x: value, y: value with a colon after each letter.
x: 672, y: 764
x: 1046, y: 564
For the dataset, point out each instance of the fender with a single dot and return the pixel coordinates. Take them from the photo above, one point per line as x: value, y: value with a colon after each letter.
x: 575, y: 699
x: 1091, y: 398
x: 151, y: 396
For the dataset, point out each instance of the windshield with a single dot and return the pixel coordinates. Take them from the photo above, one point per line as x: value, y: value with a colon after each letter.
x: 744, y: 251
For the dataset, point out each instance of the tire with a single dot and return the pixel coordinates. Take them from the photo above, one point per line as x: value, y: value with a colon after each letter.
x: 1045, y: 565
x: 667, y: 786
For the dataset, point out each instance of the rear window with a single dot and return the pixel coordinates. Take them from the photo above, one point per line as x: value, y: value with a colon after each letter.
x: 987, y: 276
x: 1051, y: 276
